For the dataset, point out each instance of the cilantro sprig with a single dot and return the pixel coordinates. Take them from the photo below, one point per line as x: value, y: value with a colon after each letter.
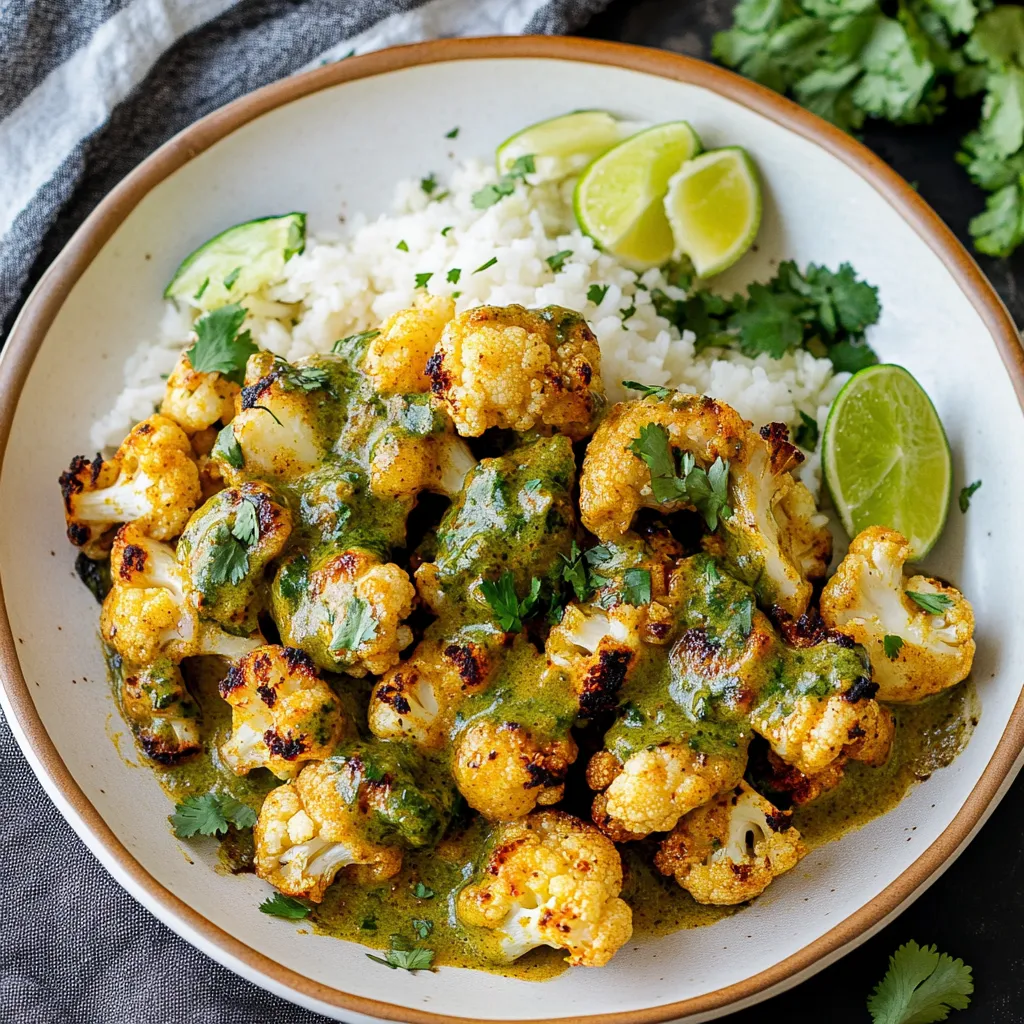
x: 280, y: 905
x: 705, y: 489
x: 209, y: 815
x: 357, y: 627
x: 648, y: 390
x: 934, y: 604
x: 506, y: 184
x: 508, y: 609
x: 892, y: 645
x: 218, y: 347
x: 921, y: 985
x: 418, y: 959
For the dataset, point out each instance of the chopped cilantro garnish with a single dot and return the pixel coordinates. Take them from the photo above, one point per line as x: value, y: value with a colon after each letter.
x: 403, y: 246
x: 807, y: 432
x: 422, y: 279
x: 218, y: 347
x: 246, y: 529
x: 508, y: 609
x: 446, y: 229
x: 574, y: 572
x: 596, y: 293
x: 201, y: 289
x: 966, y: 494
x: 229, y: 281
x: 353, y: 341
x: 422, y: 927
x: 648, y: 390
x: 934, y: 604
x: 484, y: 266
x: 228, y: 561
x: 422, y: 892
x: 429, y: 183
x: 227, y: 448
x: 210, y: 814
x: 356, y: 628
x: 626, y: 313
x: 280, y: 905
x: 505, y: 185
x: 636, y: 586
x: 303, y: 378
x: 453, y: 134
x: 453, y: 275
x: 891, y: 645
x: 406, y: 959
x: 556, y: 262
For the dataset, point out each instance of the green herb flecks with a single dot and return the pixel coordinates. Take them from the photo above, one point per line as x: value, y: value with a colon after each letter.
x: 508, y: 609
x: 934, y: 604
x: 505, y: 185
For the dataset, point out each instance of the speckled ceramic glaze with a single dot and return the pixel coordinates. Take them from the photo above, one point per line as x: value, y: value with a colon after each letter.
x: 335, y: 142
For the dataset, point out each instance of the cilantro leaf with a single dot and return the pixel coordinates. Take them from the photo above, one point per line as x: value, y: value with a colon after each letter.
x: 453, y: 275
x: 353, y: 342
x: 302, y: 378
x: 446, y: 229
x: 246, y: 528
x: 422, y: 927
x: 218, y: 347
x: 227, y: 448
x: 636, y: 586
x: 422, y: 892
x: 358, y: 626
x: 922, y: 985
x: 891, y: 645
x: 229, y: 281
x: 768, y: 321
x: 743, y: 617
x: 453, y: 134
x: 201, y: 289
x: 628, y: 312
x: 574, y: 572
x: 227, y: 561
x: 403, y: 245
x: 422, y: 279
x: 557, y: 261
x: 807, y: 432
x: 851, y: 356
x: 505, y: 185
x: 280, y: 905
x: 210, y: 814
x: 407, y: 959
x: 596, y: 293
x: 485, y: 266
x: 934, y: 604
x: 429, y: 183
x: 966, y: 493
x: 508, y: 609
x: 648, y: 390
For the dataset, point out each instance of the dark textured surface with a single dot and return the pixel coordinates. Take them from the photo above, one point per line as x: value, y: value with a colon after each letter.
x: 972, y: 912
x: 975, y: 910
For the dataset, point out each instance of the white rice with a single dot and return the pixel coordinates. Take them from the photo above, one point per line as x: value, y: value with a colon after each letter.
x: 343, y: 285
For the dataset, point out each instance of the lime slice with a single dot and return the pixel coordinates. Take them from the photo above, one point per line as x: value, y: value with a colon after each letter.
x: 563, y: 145
x: 714, y: 207
x: 619, y: 198
x: 886, y: 457
x: 238, y: 261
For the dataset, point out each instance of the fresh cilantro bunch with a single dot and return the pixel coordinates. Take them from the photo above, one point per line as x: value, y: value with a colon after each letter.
x: 824, y: 311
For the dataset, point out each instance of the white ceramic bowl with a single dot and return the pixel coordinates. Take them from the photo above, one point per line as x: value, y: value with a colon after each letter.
x: 336, y: 140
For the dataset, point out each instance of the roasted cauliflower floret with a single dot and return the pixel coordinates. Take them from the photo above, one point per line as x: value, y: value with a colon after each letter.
x: 277, y: 426
x: 596, y: 648
x: 282, y: 713
x: 164, y: 717
x: 194, y: 400
x: 655, y: 788
x: 776, y: 539
x: 417, y: 699
x: 867, y: 600
x: 517, y: 368
x: 730, y: 850
x: 404, y: 464
x: 350, y: 614
x: 225, y: 548
x: 550, y: 880
x: 396, y: 358
x: 504, y: 771
x: 360, y: 807
x: 817, y: 732
x: 150, y: 613
x: 152, y: 481
x: 616, y: 481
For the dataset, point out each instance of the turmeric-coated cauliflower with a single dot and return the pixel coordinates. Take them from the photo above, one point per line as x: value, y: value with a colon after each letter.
x: 349, y: 616
x: 360, y: 808
x: 550, y: 880
x: 396, y: 358
x: 282, y: 713
x: 152, y: 480
x: 196, y: 400
x: 164, y: 717
x: 150, y: 612
x: 914, y: 651
x: 517, y: 368
x: 729, y: 850
x: 403, y: 464
x: 504, y: 771
x: 656, y: 787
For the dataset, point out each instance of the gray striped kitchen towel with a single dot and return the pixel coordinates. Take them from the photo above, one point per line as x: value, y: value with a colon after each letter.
x: 87, y: 89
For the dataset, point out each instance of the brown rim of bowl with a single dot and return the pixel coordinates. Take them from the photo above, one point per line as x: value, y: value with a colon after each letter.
x: 42, y: 307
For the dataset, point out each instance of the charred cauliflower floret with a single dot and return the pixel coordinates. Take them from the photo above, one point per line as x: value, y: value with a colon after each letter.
x: 517, y: 368
x: 150, y: 612
x: 417, y: 699
x: 655, y: 788
x: 418, y: 451
x: 278, y: 424
x: 929, y: 649
x: 617, y: 482
x: 164, y: 717
x: 282, y: 713
x: 358, y: 808
x: 504, y: 771
x: 550, y: 880
x: 776, y: 539
x: 348, y: 614
x: 396, y: 358
x: 152, y: 481
x: 195, y: 400
x: 225, y: 548
x: 730, y: 850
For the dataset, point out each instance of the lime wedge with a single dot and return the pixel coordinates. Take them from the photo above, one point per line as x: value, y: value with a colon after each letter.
x: 238, y: 261
x: 562, y: 145
x: 619, y: 198
x: 886, y: 457
x: 714, y: 207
